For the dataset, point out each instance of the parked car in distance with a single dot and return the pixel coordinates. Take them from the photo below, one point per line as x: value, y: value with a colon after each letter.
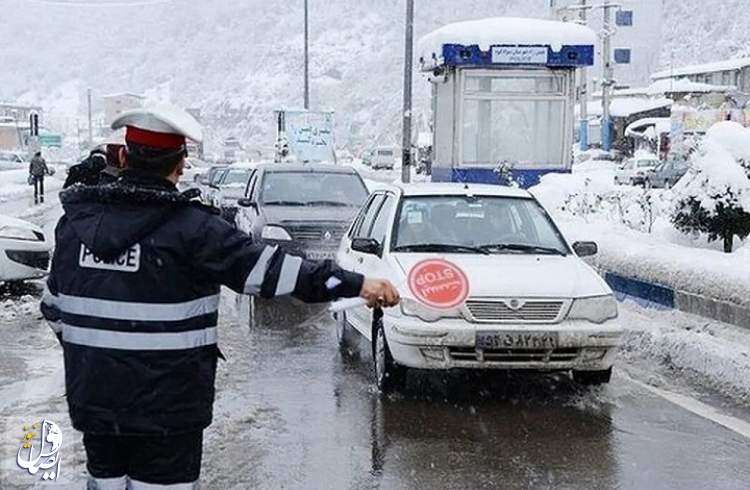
x: 635, y: 171
x: 367, y: 158
x: 303, y: 208
x: 12, y: 160
x: 24, y: 250
x: 531, y: 303
x: 667, y: 174
x: 383, y: 158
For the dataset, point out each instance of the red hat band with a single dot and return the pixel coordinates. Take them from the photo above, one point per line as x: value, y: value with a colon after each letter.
x: 165, y: 141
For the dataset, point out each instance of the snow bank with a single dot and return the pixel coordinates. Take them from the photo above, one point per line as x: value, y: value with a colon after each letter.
x: 630, y: 253
x: 504, y: 30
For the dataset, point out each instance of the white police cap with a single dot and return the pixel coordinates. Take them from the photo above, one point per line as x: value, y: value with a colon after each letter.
x: 163, y: 126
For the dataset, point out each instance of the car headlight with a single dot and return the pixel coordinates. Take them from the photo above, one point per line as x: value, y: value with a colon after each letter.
x: 597, y: 309
x: 271, y: 232
x: 17, y: 233
x: 410, y: 307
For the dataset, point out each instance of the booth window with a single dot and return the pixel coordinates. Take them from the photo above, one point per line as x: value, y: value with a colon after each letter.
x: 514, y: 119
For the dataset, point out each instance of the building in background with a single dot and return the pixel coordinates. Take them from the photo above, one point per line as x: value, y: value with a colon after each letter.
x: 115, y: 104
x: 636, y: 41
x: 17, y: 112
x: 735, y: 72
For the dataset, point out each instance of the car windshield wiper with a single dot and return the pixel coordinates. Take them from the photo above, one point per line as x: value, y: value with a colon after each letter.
x: 439, y: 247
x: 283, y: 203
x: 327, y: 203
x: 522, y: 247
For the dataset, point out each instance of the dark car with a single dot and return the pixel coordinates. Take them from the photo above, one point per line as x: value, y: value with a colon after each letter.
x: 667, y: 174
x: 303, y: 208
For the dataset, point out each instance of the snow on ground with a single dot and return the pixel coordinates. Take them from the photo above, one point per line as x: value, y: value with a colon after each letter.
x: 14, y: 184
x: 712, y: 353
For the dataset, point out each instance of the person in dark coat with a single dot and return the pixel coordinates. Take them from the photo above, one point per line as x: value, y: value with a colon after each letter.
x: 133, y: 296
x: 102, y: 166
x: 37, y: 171
x: 87, y: 172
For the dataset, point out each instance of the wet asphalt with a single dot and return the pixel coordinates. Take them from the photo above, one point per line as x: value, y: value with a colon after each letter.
x: 294, y: 412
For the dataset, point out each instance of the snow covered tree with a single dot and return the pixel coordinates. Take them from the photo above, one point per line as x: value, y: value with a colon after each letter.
x: 714, y: 198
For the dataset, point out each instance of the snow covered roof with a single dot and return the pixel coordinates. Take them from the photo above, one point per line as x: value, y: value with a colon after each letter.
x: 505, y: 30
x: 639, y: 127
x: 672, y: 85
x: 123, y: 94
x: 726, y: 65
x: 627, y: 106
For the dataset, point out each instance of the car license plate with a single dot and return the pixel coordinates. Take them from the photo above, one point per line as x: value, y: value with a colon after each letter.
x: 517, y: 340
x: 320, y: 254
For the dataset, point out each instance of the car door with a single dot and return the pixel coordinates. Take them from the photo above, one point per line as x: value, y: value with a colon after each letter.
x: 360, y: 262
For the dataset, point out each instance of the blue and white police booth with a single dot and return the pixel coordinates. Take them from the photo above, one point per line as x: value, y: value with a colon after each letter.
x: 503, y: 97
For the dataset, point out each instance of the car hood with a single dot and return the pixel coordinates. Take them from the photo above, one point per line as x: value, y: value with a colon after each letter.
x: 527, y: 276
x: 285, y: 214
x: 18, y: 223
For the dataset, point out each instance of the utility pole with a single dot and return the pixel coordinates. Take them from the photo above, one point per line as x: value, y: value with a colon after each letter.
x: 408, y: 59
x: 307, y: 59
x: 91, y: 128
x: 583, y: 101
x: 607, y: 75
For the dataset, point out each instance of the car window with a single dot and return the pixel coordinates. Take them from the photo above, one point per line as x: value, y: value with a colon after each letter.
x: 380, y: 226
x: 357, y: 223
x: 365, y: 224
x: 235, y: 177
x: 646, y: 163
x: 479, y: 221
x: 304, y: 188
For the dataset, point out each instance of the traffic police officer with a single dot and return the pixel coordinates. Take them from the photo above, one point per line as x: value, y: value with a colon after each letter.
x: 133, y: 295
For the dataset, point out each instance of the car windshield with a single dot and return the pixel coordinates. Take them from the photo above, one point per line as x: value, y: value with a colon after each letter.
x: 647, y: 163
x: 312, y: 189
x: 486, y: 224
x: 236, y: 177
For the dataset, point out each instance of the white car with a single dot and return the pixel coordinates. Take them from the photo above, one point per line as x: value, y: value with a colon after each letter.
x: 635, y: 171
x: 530, y: 302
x: 383, y: 158
x: 24, y: 250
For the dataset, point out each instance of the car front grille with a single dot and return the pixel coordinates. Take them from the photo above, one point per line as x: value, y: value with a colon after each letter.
x: 514, y: 310
x: 37, y: 260
x: 317, y: 232
x: 514, y: 355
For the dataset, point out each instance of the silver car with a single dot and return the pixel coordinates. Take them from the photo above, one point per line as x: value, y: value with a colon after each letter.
x: 667, y: 174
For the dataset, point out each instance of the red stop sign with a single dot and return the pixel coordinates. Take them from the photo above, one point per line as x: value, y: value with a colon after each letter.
x: 438, y: 283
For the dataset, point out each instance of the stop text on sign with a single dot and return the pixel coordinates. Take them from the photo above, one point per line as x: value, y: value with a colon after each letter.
x: 438, y: 283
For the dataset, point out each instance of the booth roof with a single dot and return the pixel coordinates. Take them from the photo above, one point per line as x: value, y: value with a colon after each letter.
x: 505, y: 30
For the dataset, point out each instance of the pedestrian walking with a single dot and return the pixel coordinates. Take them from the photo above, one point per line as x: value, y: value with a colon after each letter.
x: 133, y: 296
x: 37, y: 171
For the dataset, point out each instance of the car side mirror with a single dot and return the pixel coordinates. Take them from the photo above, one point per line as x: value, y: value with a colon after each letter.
x: 366, y: 246
x: 246, y: 202
x: 585, y: 249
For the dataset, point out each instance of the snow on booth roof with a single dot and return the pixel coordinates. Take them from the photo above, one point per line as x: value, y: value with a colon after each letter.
x: 505, y: 31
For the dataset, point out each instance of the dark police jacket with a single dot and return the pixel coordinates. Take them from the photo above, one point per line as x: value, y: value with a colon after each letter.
x: 133, y: 295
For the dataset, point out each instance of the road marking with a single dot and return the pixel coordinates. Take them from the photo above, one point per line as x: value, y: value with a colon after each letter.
x: 699, y: 408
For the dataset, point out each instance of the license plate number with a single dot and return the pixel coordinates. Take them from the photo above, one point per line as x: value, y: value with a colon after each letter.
x: 319, y: 255
x: 516, y: 340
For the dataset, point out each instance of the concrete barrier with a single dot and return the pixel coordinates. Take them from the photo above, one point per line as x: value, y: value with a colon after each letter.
x: 665, y: 297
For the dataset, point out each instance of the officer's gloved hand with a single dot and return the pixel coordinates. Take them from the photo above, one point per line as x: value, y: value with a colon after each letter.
x: 379, y: 293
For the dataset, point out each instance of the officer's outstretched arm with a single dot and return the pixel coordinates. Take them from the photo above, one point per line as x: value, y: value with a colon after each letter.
x: 230, y: 258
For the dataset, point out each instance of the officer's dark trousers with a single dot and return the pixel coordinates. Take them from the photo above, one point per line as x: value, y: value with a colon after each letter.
x: 120, y: 462
x: 38, y: 189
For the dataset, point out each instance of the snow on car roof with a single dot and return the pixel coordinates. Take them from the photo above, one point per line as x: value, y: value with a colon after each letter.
x: 459, y: 189
x: 505, y: 30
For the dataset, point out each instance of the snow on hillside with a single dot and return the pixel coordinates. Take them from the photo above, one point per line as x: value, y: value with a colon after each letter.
x: 239, y: 61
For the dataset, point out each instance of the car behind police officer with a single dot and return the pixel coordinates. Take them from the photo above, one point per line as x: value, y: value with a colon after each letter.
x: 133, y: 295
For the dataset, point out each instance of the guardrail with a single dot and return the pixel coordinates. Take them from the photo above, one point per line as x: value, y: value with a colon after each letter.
x: 661, y: 296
